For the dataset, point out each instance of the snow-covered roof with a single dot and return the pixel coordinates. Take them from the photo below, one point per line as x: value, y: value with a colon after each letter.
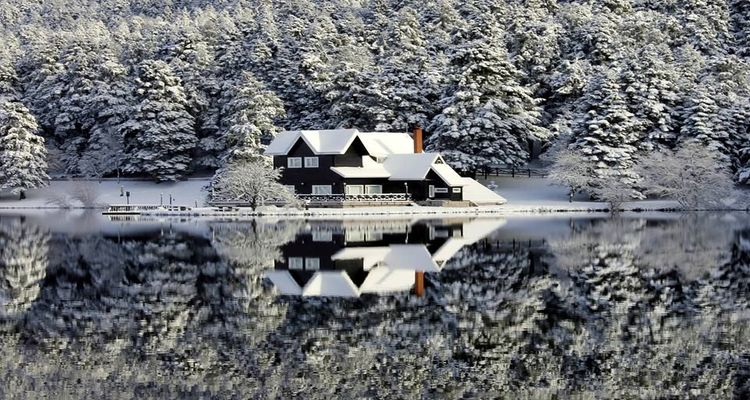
x: 448, y: 175
x: 339, y: 284
x: 480, y: 194
x: 473, y: 232
x: 337, y: 141
x: 381, y: 144
x: 323, y: 283
x: 369, y: 169
x: 412, y: 257
x: 409, y: 167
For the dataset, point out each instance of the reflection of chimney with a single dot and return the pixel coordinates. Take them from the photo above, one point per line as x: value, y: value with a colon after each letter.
x: 418, y: 139
x: 419, y: 284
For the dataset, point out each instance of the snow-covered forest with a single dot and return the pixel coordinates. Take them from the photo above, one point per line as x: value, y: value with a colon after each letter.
x: 164, y: 89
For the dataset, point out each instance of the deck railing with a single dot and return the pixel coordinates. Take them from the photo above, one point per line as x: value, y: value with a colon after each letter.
x: 337, y: 197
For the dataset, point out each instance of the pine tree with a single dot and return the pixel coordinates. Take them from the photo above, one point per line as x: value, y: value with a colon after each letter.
x: 741, y: 20
x: 160, y: 136
x: 250, y: 120
x: 350, y: 100
x: 488, y: 117
x: 408, y: 82
x: 110, y: 105
x: 22, y: 154
x: 651, y: 87
x: 606, y: 132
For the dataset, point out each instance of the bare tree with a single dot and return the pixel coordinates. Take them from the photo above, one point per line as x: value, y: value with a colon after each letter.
x: 87, y: 193
x: 253, y: 182
x: 58, y: 200
x: 572, y: 170
x: 693, y: 176
x: 614, y: 192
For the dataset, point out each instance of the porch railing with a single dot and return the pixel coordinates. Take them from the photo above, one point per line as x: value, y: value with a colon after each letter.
x: 382, y: 197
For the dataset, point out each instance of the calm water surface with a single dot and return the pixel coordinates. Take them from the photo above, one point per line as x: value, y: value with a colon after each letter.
x: 537, y: 307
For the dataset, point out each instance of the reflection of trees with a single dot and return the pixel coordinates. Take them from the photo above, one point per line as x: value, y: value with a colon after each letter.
x: 23, y: 264
x: 188, y: 316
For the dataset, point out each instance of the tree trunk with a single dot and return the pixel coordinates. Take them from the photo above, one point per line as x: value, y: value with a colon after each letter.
x: 21, y: 195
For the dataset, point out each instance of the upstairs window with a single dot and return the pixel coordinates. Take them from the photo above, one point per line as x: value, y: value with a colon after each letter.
x: 294, y: 162
x: 311, y: 162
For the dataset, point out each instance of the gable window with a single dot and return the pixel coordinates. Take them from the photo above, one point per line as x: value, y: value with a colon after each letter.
x: 312, y: 264
x: 311, y: 162
x: 294, y: 162
x: 322, y: 236
x: 296, y: 263
x: 322, y: 189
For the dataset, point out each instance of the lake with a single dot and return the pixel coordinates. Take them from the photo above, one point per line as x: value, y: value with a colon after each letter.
x: 555, y: 306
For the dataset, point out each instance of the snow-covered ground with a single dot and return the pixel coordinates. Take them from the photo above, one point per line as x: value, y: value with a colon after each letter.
x: 141, y: 192
x: 524, y: 195
x: 538, y: 194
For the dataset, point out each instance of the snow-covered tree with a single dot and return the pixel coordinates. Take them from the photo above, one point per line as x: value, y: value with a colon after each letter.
x: 488, y: 117
x: 23, y: 162
x: 110, y: 105
x: 572, y: 170
x: 606, y: 132
x: 693, y: 176
x: 251, y: 181
x: 160, y: 136
x: 250, y: 122
x: 408, y: 81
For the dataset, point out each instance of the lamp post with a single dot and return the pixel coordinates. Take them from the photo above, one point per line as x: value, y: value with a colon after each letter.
x: 170, y: 199
x: 161, y: 199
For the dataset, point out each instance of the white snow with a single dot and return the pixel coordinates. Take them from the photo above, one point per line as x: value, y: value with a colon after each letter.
x: 337, y: 141
x: 141, y: 192
x: 409, y: 167
x: 369, y: 169
x: 480, y: 194
x: 380, y: 144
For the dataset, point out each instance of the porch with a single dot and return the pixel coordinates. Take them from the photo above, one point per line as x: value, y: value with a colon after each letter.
x: 340, y: 200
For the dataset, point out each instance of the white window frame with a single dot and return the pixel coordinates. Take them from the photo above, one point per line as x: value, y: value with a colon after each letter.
x: 349, y: 189
x: 431, y: 191
x: 291, y: 188
x: 294, y: 162
x: 296, y: 263
x: 312, y: 162
x: 322, y: 236
x: 379, y: 189
x: 457, y: 190
x: 312, y: 264
x: 321, y: 189
x: 441, y: 190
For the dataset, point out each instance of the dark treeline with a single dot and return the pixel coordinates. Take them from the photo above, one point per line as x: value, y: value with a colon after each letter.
x: 169, y: 88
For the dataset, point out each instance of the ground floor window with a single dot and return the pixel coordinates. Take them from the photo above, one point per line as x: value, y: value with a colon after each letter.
x: 354, y: 189
x: 441, y: 190
x: 322, y: 189
x: 290, y: 188
x: 457, y: 190
x: 374, y: 189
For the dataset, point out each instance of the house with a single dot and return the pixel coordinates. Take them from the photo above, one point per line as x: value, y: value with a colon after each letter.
x: 348, y: 261
x: 346, y: 165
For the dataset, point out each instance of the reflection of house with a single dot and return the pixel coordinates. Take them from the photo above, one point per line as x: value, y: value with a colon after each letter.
x: 351, y: 165
x: 329, y: 262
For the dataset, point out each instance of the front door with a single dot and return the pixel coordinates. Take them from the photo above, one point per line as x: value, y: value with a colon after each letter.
x: 431, y: 193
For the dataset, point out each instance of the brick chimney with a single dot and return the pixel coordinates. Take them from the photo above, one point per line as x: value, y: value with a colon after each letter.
x: 418, y: 141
